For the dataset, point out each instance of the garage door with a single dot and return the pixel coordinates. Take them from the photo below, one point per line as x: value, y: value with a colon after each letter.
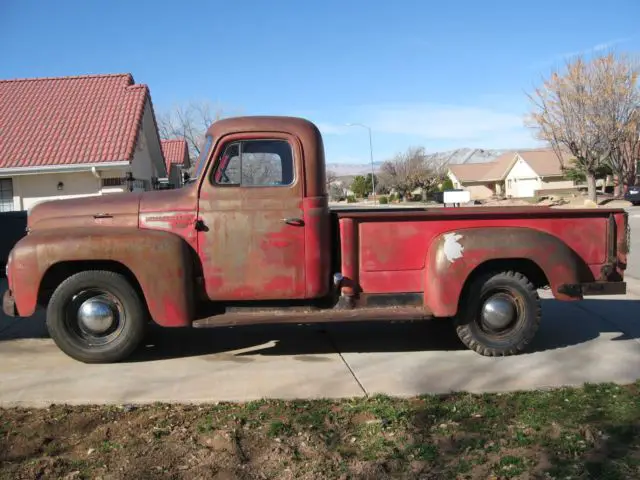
x: 526, y: 187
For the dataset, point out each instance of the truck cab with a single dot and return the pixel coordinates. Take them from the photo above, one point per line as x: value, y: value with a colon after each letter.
x: 262, y: 211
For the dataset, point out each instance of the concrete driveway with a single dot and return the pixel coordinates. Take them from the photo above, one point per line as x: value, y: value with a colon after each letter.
x: 594, y: 341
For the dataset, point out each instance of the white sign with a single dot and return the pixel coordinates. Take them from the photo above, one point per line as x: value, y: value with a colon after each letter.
x: 456, y: 196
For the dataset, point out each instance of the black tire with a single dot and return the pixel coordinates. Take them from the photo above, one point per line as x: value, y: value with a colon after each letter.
x: 478, y: 335
x: 72, y: 337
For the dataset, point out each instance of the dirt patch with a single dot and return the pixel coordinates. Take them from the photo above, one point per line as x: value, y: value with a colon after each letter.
x: 593, y: 432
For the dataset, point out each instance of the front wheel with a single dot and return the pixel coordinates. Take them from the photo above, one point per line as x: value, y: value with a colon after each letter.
x: 500, y: 314
x: 96, y: 317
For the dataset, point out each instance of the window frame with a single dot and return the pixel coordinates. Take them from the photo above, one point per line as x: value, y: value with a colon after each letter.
x: 241, y: 142
x: 11, y: 190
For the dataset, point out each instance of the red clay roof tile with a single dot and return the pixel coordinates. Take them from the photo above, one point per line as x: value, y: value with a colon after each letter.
x: 70, y: 120
x: 175, y: 151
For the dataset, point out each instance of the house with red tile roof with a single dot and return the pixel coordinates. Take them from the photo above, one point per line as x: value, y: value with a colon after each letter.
x: 176, y: 156
x: 514, y: 174
x: 76, y: 136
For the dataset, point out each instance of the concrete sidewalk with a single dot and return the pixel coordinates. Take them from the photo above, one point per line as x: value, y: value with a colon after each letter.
x: 590, y: 341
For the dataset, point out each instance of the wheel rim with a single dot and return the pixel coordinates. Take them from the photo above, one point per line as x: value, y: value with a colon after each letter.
x: 499, y: 312
x: 95, y: 317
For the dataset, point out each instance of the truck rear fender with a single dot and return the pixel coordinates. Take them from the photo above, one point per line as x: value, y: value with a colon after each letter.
x: 158, y: 263
x: 455, y: 257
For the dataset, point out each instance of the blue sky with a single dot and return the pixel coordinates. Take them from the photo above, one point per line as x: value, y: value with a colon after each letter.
x: 437, y: 74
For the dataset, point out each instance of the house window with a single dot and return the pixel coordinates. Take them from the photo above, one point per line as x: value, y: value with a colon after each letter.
x: 509, y: 184
x: 256, y: 163
x: 6, y: 195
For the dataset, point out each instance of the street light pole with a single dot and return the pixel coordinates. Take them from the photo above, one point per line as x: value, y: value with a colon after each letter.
x: 373, y: 174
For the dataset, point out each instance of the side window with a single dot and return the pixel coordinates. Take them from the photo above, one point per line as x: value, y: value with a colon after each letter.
x: 256, y: 163
x: 228, y: 171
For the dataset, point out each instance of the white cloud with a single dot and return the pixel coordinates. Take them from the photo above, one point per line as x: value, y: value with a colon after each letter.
x: 442, y: 122
x: 454, y: 125
x: 598, y: 48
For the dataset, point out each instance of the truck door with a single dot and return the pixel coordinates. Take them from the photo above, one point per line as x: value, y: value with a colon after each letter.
x: 251, y: 233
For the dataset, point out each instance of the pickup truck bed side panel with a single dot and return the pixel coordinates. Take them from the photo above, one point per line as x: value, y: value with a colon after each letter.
x: 454, y: 255
x: 160, y: 261
x: 388, y: 251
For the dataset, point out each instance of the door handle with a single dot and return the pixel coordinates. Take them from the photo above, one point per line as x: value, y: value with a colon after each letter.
x: 200, y: 226
x: 293, y: 221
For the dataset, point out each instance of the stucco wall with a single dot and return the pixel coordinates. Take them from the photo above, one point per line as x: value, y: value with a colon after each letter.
x: 478, y: 192
x: 560, y: 182
x: 29, y: 190
x: 150, y: 142
x: 454, y: 179
x: 522, y: 180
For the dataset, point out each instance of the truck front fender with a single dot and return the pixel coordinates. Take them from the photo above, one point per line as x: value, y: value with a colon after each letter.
x: 453, y: 256
x: 160, y: 261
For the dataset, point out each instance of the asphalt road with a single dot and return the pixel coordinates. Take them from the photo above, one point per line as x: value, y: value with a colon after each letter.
x: 597, y: 340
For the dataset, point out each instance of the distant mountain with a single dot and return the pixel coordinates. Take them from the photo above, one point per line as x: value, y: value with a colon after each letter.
x: 460, y: 155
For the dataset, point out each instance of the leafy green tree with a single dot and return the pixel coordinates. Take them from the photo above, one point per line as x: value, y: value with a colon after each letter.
x: 446, y: 184
x: 362, y: 186
x: 575, y: 172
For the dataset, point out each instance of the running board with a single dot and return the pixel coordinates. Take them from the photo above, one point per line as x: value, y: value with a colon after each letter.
x: 314, y: 316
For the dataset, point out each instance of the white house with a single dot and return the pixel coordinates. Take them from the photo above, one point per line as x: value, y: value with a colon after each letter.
x: 517, y: 174
x: 533, y: 171
x: 76, y: 136
x: 176, y: 155
x: 483, y: 180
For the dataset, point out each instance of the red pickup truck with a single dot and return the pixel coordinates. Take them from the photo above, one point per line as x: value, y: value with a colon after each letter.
x: 251, y: 239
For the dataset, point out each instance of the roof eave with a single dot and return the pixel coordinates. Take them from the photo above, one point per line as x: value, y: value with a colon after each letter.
x: 63, y: 168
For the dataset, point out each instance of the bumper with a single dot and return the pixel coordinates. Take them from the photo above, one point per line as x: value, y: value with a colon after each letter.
x: 9, y: 304
x: 593, y: 288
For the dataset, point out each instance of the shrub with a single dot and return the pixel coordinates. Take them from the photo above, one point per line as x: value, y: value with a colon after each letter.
x: 447, y: 184
x: 351, y: 199
x: 383, y: 200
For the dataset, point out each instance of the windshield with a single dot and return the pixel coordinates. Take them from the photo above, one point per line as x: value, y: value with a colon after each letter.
x: 202, y: 159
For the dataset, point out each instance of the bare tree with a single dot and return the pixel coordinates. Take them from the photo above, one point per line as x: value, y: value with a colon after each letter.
x: 625, y: 157
x: 411, y: 169
x: 190, y: 122
x: 586, y: 110
x: 331, y: 177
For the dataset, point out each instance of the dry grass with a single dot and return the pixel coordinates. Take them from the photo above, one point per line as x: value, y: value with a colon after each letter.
x: 584, y: 433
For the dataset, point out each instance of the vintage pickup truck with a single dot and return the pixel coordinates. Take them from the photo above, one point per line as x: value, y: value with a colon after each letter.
x: 251, y: 239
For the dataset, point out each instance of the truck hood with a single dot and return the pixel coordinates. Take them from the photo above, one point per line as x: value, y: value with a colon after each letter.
x: 117, y: 209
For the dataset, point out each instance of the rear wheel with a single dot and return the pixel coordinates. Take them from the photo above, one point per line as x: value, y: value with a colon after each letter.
x: 96, y: 317
x: 500, y: 315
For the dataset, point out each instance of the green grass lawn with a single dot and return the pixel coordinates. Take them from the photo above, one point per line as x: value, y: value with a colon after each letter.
x: 583, y: 433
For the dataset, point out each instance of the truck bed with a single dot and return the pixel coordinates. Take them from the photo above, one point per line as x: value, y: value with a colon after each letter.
x: 387, y: 250
x: 471, y: 211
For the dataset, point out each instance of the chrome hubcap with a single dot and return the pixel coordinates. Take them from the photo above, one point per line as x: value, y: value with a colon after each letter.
x: 97, y: 315
x: 498, y: 311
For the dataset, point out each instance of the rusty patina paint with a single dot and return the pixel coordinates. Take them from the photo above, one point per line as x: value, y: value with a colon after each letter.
x: 247, y: 250
x: 159, y: 260
x: 172, y: 211
x: 109, y: 211
x: 317, y: 244
x: 385, y: 314
x: 306, y: 133
x: 243, y: 250
x: 349, y: 256
x: 393, y: 245
x: 447, y: 271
